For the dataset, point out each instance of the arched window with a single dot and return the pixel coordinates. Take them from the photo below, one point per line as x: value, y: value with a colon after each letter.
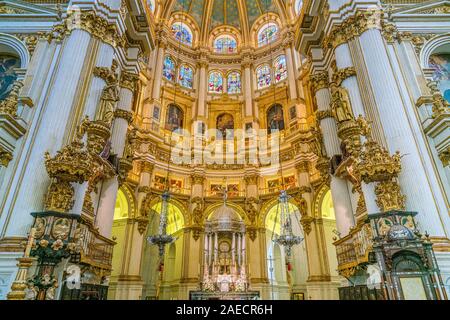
x: 225, y: 44
x: 174, y: 119
x: 7, y: 75
x: 280, y: 71
x: 182, y: 33
x: 440, y: 62
x: 275, y: 118
x: 234, y: 82
x: 263, y: 76
x: 298, y: 6
x: 185, y: 76
x: 267, y: 34
x: 151, y: 5
x: 215, y: 82
x: 169, y: 69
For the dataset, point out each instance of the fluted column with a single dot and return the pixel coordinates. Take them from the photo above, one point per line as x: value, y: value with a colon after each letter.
x: 28, y: 186
x: 248, y: 89
x: 290, y: 70
x: 339, y: 190
x: 233, y: 248
x: 156, y: 91
x: 202, y: 87
x: 418, y: 180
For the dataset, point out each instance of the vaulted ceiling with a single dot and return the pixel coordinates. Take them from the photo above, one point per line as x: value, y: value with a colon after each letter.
x: 241, y: 14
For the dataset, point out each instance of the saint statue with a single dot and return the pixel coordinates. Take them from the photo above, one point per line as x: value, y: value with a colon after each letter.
x: 110, y: 95
x: 340, y: 104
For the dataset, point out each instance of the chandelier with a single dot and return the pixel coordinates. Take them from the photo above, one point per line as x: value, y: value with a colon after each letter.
x: 286, y: 238
x: 161, y: 239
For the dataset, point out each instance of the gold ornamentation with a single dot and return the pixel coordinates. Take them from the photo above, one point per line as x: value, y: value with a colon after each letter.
x: 61, y: 228
x: 323, y: 114
x: 251, y: 179
x: 353, y: 26
x: 124, y: 114
x: 440, y: 105
x: 142, y: 224
x: 5, y: 157
x: 197, y: 211
x: 251, y: 209
x: 110, y: 93
x: 340, y: 104
x: 306, y: 223
x: 129, y: 80
x: 70, y: 164
x: 323, y: 166
x: 340, y: 75
x: 444, y: 156
x: 389, y: 196
x: 10, y: 104
x: 197, y: 179
x: 318, y: 81
x: 302, y: 166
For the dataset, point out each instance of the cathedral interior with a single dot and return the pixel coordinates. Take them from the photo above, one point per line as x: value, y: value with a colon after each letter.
x: 224, y: 149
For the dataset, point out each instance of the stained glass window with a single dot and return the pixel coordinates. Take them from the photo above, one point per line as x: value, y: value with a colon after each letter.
x: 185, y: 76
x: 280, y: 68
x: 7, y: 75
x: 151, y: 5
x: 298, y: 6
x: 169, y: 69
x: 234, y: 82
x: 182, y: 33
x: 440, y: 63
x: 267, y: 34
x: 263, y: 76
x: 225, y: 44
x: 215, y: 82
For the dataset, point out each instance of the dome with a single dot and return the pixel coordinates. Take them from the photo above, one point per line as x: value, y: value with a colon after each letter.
x: 224, y: 214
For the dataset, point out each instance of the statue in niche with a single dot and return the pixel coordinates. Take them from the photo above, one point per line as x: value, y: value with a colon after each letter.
x: 340, y: 104
x: 110, y: 93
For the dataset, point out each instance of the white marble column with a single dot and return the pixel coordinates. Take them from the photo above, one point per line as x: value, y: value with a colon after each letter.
x: 418, y: 183
x: 339, y: 192
x: 202, y: 86
x: 210, y: 254
x: 156, y: 91
x: 233, y: 248
x: 120, y: 127
x: 216, y: 247
x: 52, y: 114
x: 248, y: 89
x: 290, y: 72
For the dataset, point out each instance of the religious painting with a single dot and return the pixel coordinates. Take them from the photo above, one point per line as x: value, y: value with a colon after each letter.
x: 233, y: 190
x: 267, y: 34
x: 280, y: 69
x: 234, y: 83
x: 169, y: 69
x: 248, y: 126
x: 413, y: 288
x: 289, y: 182
x: 174, y: 117
x: 275, y: 120
x: 215, y: 82
x: 156, y: 112
x: 440, y: 63
x: 185, y: 76
x: 273, y: 185
x: 216, y: 189
x: 263, y: 76
x: 225, y: 125
x: 160, y: 182
x: 7, y: 75
x: 298, y: 296
x: 292, y: 112
x: 182, y: 33
x: 176, y: 185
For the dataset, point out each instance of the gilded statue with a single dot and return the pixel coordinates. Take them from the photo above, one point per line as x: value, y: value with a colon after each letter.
x: 340, y: 104
x: 110, y: 93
